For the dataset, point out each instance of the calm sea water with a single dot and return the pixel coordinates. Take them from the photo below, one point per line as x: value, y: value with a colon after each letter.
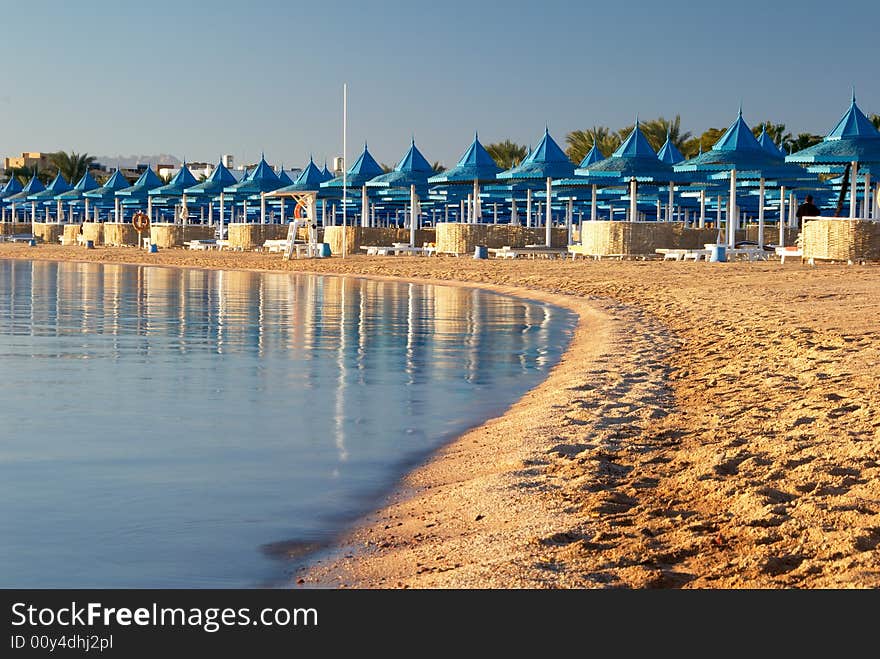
x: 186, y: 428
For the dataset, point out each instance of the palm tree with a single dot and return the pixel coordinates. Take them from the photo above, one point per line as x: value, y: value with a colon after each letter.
x: 875, y: 119
x: 804, y: 140
x: 438, y: 167
x: 581, y: 141
x: 72, y: 166
x: 507, y: 154
x: 656, y: 131
x: 704, y: 142
x: 386, y: 168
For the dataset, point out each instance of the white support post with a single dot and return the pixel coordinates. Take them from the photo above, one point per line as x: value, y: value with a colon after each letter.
x: 569, y: 220
x: 761, y: 195
x: 548, y: 232
x: 702, y: 208
x: 594, y: 203
x: 365, y: 207
x: 528, y: 208
x: 150, y: 208
x: 866, y: 203
x: 671, y: 202
x: 210, y: 213
x: 262, y: 208
x: 718, y: 214
x: 495, y: 213
x: 633, y: 203
x: 781, y: 241
x: 478, y: 210
x: 222, y: 213
x: 732, y: 211
x: 413, y: 215
x: 853, y: 188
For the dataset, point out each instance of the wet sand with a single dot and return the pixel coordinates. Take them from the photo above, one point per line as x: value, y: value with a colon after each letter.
x: 711, y: 425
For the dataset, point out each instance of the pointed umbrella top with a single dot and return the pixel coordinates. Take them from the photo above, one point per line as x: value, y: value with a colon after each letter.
x: 413, y: 169
x: 141, y: 188
x: 58, y: 186
x: 475, y: 163
x: 738, y: 137
x: 636, y: 145
x: 326, y: 172
x: 769, y: 145
x: 854, y: 125
x: 593, y: 156
x: 854, y: 138
x: 106, y: 192
x: 220, y: 178
x: 284, y: 177
x: 363, y: 169
x: 669, y: 153
x: 85, y: 184
x: 176, y: 186
x: 308, y: 181
x: 546, y: 161
x: 32, y: 187
x: 13, y: 186
x: 262, y: 179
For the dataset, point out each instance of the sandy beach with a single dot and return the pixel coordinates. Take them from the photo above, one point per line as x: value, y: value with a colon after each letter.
x: 710, y: 426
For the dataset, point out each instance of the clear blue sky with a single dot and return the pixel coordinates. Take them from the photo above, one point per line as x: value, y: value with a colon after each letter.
x: 197, y: 79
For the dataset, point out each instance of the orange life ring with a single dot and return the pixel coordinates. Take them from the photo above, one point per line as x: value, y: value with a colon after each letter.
x: 297, y: 211
x: 140, y: 221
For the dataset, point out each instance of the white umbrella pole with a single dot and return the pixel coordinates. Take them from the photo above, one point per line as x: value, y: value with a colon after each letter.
x: 477, y: 210
x: 853, y: 188
x: 671, y: 202
x: 528, y: 208
x: 703, y: 209
x: 594, y: 205
x: 569, y: 219
x: 732, y: 211
x: 495, y: 213
x: 413, y: 211
x: 262, y: 208
x: 548, y: 224
x: 782, y: 216
x: 761, y: 192
x: 633, y: 204
x: 866, y: 203
x: 344, y: 166
x: 365, y: 207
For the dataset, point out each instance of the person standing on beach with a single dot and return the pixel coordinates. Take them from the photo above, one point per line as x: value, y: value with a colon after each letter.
x: 807, y: 209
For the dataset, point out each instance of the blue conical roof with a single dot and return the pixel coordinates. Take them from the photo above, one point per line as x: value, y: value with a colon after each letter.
x: 220, y: 178
x: 176, y: 186
x: 593, y: 156
x: 634, y: 158
x: 262, y: 179
x: 308, y: 181
x: 739, y: 149
x: 636, y: 145
x: 769, y: 145
x: 669, y: 153
x: 107, y: 191
x: 32, y: 187
x: 363, y: 169
x: 58, y: 186
x: 284, y: 177
x: 141, y: 188
x: 547, y: 160
x: 326, y: 173
x: 413, y: 169
x: 13, y: 186
x: 85, y: 184
x: 854, y: 138
x: 738, y: 137
x: 475, y: 163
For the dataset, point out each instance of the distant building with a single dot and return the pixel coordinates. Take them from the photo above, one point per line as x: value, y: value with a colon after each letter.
x: 338, y: 164
x: 228, y: 161
x: 198, y: 169
x: 28, y: 159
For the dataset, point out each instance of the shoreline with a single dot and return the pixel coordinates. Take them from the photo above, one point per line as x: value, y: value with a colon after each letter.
x: 721, y: 433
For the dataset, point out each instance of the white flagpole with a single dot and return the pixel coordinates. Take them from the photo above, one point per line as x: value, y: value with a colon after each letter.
x: 344, y: 166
